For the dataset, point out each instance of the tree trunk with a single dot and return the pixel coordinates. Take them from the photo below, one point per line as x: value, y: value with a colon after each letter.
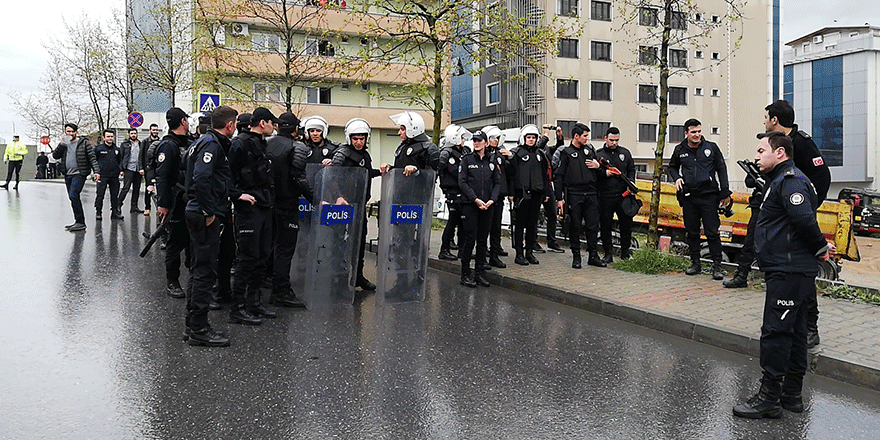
x: 438, y: 93
x: 653, y: 230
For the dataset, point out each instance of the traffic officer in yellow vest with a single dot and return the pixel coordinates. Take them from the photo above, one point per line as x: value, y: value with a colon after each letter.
x: 14, y: 156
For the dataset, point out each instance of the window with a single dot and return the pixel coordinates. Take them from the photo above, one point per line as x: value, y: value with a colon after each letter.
x: 344, y: 39
x: 318, y: 95
x: 598, y: 130
x: 698, y: 91
x: 676, y: 134
x: 716, y: 130
x: 600, y: 51
x: 600, y: 91
x: 716, y: 19
x: 265, y: 42
x: 493, y: 94
x: 716, y: 56
x: 698, y: 54
x: 647, y: 55
x: 567, y: 88
x: 647, y: 132
x: 715, y: 93
x: 806, y: 47
x: 311, y: 47
x: 600, y: 10
x: 566, y: 127
x: 678, y: 58
x: 267, y: 92
x: 679, y: 20
x: 345, y: 87
x: 568, y: 8
x: 648, y: 17
x: 678, y: 95
x: 647, y: 94
x: 568, y: 48
x: 326, y: 49
x: 365, y: 87
x: 698, y: 17
x: 365, y: 42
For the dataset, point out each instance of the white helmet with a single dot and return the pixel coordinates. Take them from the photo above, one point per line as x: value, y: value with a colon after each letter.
x: 411, y: 121
x: 526, y: 130
x: 493, y: 131
x: 357, y: 126
x: 456, y: 135
x: 194, y: 121
x: 315, y: 122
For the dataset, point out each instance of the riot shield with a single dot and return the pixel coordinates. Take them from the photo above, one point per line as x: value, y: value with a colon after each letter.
x: 340, y: 203
x: 299, y: 265
x: 404, y: 235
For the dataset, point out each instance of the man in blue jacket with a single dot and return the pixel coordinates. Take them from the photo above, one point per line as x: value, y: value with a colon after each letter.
x: 789, y: 244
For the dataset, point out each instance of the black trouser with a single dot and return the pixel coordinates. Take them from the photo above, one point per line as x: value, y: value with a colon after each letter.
x: 476, y: 223
x: 286, y: 227
x: 75, y: 184
x: 253, y: 233
x: 103, y: 184
x: 784, y: 332
x: 178, y: 241
x: 550, y: 214
x: 702, y: 208
x: 225, y: 260
x: 203, y: 274
x: 583, y: 209
x: 147, y: 196
x: 528, y: 208
x: 747, y: 254
x: 608, y: 206
x: 452, y: 223
x: 14, y: 166
x: 363, y: 247
x: 41, y: 171
x: 130, y: 179
x: 495, y: 228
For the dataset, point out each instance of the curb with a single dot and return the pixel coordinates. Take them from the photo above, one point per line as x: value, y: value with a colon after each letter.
x: 835, y: 368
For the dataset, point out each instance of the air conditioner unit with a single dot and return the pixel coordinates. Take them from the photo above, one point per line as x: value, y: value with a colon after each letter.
x: 817, y: 39
x: 240, y: 29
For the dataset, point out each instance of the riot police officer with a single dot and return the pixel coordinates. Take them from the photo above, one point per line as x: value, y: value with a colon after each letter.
x: 530, y: 181
x: 498, y: 155
x: 415, y: 151
x: 450, y: 159
x: 354, y: 153
x: 252, y: 175
x: 611, y: 190
x: 321, y: 149
x: 480, y: 183
x: 170, y: 174
x: 550, y: 206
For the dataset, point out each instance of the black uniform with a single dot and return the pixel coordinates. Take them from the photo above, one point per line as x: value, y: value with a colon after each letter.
x: 348, y: 156
x: 479, y: 178
x: 550, y: 207
x: 148, y: 158
x: 251, y: 174
x: 419, y: 152
x: 787, y: 241
x: 109, y: 167
x: 317, y: 153
x: 808, y: 159
x: 701, y: 192
x: 170, y: 174
x: 208, y: 190
x: 529, y: 181
x: 576, y: 184
x: 611, y: 191
x: 450, y: 159
x: 500, y: 161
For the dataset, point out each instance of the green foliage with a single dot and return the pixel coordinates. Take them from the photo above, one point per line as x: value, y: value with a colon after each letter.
x: 650, y: 261
x: 851, y: 294
x: 437, y: 224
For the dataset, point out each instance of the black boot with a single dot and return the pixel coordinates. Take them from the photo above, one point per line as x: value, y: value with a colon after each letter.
x: 502, y: 253
x: 537, y: 248
x: 530, y: 257
x: 812, y: 338
x: 480, y: 278
x: 608, y: 258
x: 240, y: 315
x: 173, y: 290
x: 717, y: 273
x: 467, y: 278
x: 576, y: 259
x: 116, y: 215
x: 554, y: 247
x: 695, y: 268
x: 594, y: 260
x: 739, y: 279
x: 364, y: 284
x: 494, y: 261
x: 763, y: 404
x: 520, y: 259
x: 791, y: 398
x: 207, y: 338
x: 285, y: 299
x: 446, y: 255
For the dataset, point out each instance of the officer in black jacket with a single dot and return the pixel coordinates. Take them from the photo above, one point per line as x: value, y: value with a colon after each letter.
x: 209, y: 188
x: 450, y: 159
x: 529, y: 178
x: 694, y: 165
x: 498, y: 155
x: 550, y: 206
x: 355, y: 154
x: 288, y: 158
x: 148, y: 158
x: 611, y: 193
x: 320, y: 148
x: 110, y: 166
x: 415, y: 151
x: 788, y: 242
x: 480, y: 183
x: 252, y: 175
x: 575, y: 184
x: 170, y: 175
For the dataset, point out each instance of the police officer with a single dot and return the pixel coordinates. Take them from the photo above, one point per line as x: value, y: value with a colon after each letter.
x: 530, y: 181
x: 354, y: 153
x: 788, y: 242
x: 450, y: 159
x: 480, y: 183
x: 498, y: 155
x: 148, y: 158
x: 170, y: 174
x: 575, y: 183
x: 208, y: 190
x: 321, y: 149
x: 694, y: 165
x: 252, y: 175
x: 288, y: 158
x: 415, y: 151
x: 550, y: 206
x: 611, y: 190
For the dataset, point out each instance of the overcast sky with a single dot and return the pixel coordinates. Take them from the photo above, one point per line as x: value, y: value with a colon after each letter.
x: 23, y: 59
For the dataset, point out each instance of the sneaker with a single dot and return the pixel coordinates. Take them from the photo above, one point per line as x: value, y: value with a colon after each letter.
x: 99, y: 217
x: 146, y: 213
x: 175, y: 291
x: 537, y: 248
x: 77, y: 227
x: 554, y: 247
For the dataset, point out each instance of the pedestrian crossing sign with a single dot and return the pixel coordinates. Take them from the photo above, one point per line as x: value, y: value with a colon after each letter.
x: 208, y: 102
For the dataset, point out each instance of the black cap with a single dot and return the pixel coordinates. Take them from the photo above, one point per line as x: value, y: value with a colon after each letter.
x: 262, y: 114
x: 243, y: 119
x: 479, y: 136
x: 174, y: 115
x: 288, y: 120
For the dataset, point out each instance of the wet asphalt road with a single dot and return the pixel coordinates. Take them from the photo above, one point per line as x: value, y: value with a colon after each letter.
x: 90, y: 348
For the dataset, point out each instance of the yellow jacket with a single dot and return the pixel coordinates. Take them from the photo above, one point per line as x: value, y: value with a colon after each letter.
x: 15, y: 150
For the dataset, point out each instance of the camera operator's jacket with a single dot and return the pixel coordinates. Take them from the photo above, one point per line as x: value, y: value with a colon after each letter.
x: 698, y: 168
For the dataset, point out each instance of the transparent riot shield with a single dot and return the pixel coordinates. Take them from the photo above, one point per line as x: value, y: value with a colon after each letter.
x: 299, y: 265
x: 404, y: 235
x: 340, y: 203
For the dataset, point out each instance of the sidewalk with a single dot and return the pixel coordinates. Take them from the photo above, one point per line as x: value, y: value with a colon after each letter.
x: 691, y: 307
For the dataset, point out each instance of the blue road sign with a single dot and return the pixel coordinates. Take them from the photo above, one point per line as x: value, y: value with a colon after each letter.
x: 208, y: 101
